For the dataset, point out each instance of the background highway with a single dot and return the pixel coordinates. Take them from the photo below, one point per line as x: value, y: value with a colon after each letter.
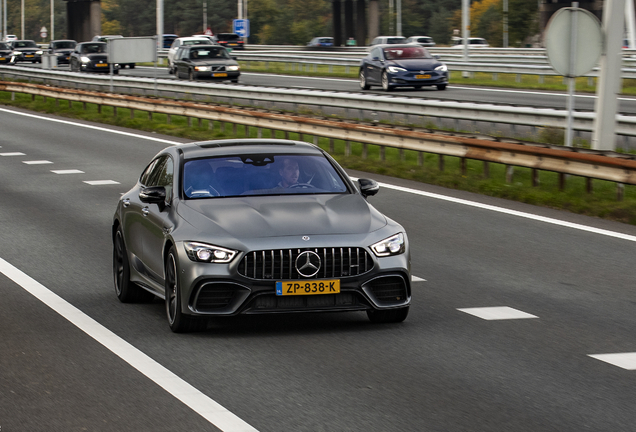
x: 443, y: 369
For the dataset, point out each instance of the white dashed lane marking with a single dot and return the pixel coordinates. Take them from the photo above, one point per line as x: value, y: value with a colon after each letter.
x: 101, y: 182
x: 71, y: 171
x: 497, y: 313
x: 622, y: 360
x: 417, y: 279
x: 37, y: 162
x: 12, y: 154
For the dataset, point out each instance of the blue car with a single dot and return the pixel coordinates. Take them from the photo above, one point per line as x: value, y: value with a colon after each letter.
x: 321, y: 42
x: 403, y: 65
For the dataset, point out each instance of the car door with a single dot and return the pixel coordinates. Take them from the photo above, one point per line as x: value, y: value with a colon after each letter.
x: 181, y: 64
x: 133, y: 219
x: 159, y: 220
x: 375, y: 65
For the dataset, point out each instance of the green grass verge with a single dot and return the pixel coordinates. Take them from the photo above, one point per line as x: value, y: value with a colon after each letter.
x: 601, y: 203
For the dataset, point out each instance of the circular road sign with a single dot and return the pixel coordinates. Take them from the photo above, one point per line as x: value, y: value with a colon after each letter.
x: 573, y: 31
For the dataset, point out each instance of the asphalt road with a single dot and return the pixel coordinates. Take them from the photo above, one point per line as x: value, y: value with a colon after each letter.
x: 74, y: 358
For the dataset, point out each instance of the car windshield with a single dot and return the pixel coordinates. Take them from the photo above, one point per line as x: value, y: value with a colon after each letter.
x: 208, y: 53
x: 24, y: 44
x: 406, y: 53
x: 62, y: 45
x: 260, y: 174
x: 396, y: 40
x: 476, y: 42
x: 4, y: 46
x: 94, y: 48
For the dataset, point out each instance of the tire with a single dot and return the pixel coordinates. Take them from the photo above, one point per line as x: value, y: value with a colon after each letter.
x: 363, y: 81
x: 385, y: 82
x: 441, y: 87
x: 132, y: 65
x: 388, y: 316
x: 177, y: 320
x: 417, y: 87
x: 126, y: 291
x: 235, y: 81
x: 116, y: 72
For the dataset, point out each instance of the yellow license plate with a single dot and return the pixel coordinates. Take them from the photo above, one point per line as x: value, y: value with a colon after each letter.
x: 218, y: 75
x: 2, y: 58
x: 232, y: 44
x: 29, y: 55
x: 305, y: 287
x: 422, y: 76
x: 101, y: 64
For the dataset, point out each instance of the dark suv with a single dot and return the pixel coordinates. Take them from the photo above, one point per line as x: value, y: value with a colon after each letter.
x: 25, y: 51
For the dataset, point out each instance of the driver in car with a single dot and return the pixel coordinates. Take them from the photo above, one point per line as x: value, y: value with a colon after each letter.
x: 289, y: 173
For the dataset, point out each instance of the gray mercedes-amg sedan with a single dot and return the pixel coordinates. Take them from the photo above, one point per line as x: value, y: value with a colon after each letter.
x: 254, y: 226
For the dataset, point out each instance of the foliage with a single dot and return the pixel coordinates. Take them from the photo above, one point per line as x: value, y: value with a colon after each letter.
x: 37, y: 14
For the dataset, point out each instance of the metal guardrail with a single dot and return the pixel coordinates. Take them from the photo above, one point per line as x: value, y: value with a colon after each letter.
x: 356, y: 105
x: 587, y: 163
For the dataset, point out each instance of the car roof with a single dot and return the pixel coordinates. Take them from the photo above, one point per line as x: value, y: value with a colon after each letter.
x: 402, y: 45
x: 231, y: 147
x: 198, y: 46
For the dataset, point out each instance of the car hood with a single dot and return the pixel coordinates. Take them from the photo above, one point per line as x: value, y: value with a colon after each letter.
x: 63, y: 50
x: 412, y: 64
x: 271, y: 216
x: 94, y: 57
x: 27, y: 49
x: 215, y: 62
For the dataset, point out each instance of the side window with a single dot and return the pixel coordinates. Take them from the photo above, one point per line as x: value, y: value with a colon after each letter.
x: 377, y: 52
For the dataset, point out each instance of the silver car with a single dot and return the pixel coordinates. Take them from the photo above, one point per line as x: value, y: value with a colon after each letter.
x: 255, y: 226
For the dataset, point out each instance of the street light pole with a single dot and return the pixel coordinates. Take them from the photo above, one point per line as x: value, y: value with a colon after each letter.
x: 22, y: 19
x: 505, y: 23
x: 52, y: 22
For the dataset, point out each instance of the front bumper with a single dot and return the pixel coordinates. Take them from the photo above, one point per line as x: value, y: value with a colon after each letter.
x: 27, y: 57
x: 219, y: 289
x: 97, y: 67
x: 217, y: 75
x: 417, y: 78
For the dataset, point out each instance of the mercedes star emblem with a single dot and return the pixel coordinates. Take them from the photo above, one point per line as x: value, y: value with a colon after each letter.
x: 308, y: 264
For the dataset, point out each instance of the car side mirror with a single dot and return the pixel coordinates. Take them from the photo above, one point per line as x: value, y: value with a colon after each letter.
x: 368, y: 187
x: 376, y: 58
x: 234, y: 58
x: 437, y: 56
x: 153, y: 195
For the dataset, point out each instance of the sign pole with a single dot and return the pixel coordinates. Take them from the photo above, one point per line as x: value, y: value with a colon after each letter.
x: 571, y: 79
x: 609, y: 80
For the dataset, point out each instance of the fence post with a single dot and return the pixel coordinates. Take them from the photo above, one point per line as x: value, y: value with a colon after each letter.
x: 620, y: 191
x: 440, y: 162
x: 510, y: 171
x: 486, y: 169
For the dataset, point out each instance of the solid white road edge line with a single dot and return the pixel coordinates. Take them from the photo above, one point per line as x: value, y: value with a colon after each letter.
x: 180, y: 389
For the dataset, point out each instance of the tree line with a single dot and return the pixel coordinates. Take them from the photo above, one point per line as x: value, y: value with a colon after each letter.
x: 284, y: 21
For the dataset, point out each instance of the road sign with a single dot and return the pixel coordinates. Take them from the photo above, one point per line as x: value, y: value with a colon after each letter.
x: 574, y: 41
x: 241, y: 27
x: 43, y: 32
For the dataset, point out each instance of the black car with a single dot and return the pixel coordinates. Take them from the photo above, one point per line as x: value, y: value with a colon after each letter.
x: 5, y: 52
x: 230, y: 40
x: 91, y: 57
x: 25, y: 51
x: 205, y: 62
x: 105, y: 38
x: 406, y: 65
x: 257, y: 226
x: 62, y: 50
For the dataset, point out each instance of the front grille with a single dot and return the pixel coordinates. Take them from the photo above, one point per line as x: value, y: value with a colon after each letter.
x: 215, y: 296
x: 218, y: 68
x: 388, y: 290
x: 280, y: 264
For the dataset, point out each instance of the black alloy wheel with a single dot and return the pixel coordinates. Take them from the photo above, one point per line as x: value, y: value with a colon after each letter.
x: 178, y: 321
x: 126, y: 290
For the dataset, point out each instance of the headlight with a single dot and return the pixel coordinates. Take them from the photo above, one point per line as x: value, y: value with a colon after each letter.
x: 203, y: 252
x: 234, y: 68
x: 202, y: 68
x: 393, y: 245
x: 394, y: 69
x: 442, y: 68
x: 16, y: 53
x: 39, y: 52
x: 85, y: 60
